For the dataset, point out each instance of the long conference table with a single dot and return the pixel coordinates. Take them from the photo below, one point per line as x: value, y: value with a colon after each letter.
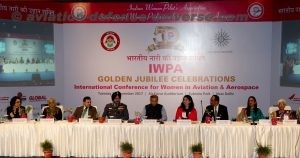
x: 237, y: 140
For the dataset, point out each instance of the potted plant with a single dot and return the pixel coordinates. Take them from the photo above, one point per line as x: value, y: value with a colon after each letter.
x: 263, y: 151
x: 197, y: 150
x: 47, y: 147
x: 126, y: 149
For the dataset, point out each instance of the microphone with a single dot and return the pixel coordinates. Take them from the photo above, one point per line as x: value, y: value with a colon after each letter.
x: 201, y: 107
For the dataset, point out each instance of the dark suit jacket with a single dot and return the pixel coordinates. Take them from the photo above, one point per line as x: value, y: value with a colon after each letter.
x: 222, y: 112
x: 11, y: 114
x: 92, y: 112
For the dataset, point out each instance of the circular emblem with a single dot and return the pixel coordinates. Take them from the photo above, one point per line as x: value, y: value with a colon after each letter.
x: 79, y: 13
x: 110, y: 41
x: 222, y: 38
x: 255, y: 10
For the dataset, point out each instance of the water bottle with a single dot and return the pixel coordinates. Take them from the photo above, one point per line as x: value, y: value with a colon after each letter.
x: 38, y: 117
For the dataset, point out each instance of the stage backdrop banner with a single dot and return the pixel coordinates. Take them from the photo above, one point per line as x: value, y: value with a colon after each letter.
x: 171, y: 60
x: 233, y: 49
x: 141, y: 12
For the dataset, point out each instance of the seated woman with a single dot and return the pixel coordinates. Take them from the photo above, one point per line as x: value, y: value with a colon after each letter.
x: 52, y: 111
x: 15, y: 110
x: 186, y: 110
x: 251, y: 111
x: 281, y: 103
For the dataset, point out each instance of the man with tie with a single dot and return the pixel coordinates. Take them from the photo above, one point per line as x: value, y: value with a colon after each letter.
x: 116, y: 109
x: 215, y: 110
x: 86, y: 110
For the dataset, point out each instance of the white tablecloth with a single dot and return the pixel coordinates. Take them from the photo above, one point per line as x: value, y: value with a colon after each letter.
x: 228, y: 141
x: 23, y: 139
x: 168, y: 140
x: 285, y: 140
x: 18, y: 140
x: 177, y: 139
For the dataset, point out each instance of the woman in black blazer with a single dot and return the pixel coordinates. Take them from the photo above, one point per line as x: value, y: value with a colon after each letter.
x: 15, y: 110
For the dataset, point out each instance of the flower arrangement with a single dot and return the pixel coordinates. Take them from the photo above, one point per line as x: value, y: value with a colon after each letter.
x: 208, y: 117
x: 12, y: 115
x: 137, y: 114
x: 28, y: 109
x: 273, y: 118
x: 23, y: 113
x: 71, y: 118
x: 208, y: 112
x: 137, y: 119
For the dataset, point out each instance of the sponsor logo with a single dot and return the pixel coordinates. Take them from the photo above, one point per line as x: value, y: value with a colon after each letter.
x: 222, y: 38
x: 255, y: 10
x: 4, y: 98
x: 79, y: 13
x: 165, y: 37
x: 110, y: 41
x: 294, y: 98
x: 37, y: 98
x: 23, y: 98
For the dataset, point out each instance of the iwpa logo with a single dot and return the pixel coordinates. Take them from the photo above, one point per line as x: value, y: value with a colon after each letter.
x: 110, y: 41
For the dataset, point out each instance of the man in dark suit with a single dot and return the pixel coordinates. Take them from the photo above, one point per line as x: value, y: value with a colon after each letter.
x: 86, y: 110
x: 215, y: 109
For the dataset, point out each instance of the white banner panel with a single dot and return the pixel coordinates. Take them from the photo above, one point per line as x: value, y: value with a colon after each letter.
x: 169, y: 59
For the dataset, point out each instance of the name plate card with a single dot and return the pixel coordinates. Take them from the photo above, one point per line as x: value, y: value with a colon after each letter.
x: 47, y: 120
x: 85, y: 120
x: 184, y: 122
x: 19, y: 120
x: 223, y: 122
x: 114, y: 121
x: 149, y: 121
x: 289, y: 122
x: 264, y: 122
